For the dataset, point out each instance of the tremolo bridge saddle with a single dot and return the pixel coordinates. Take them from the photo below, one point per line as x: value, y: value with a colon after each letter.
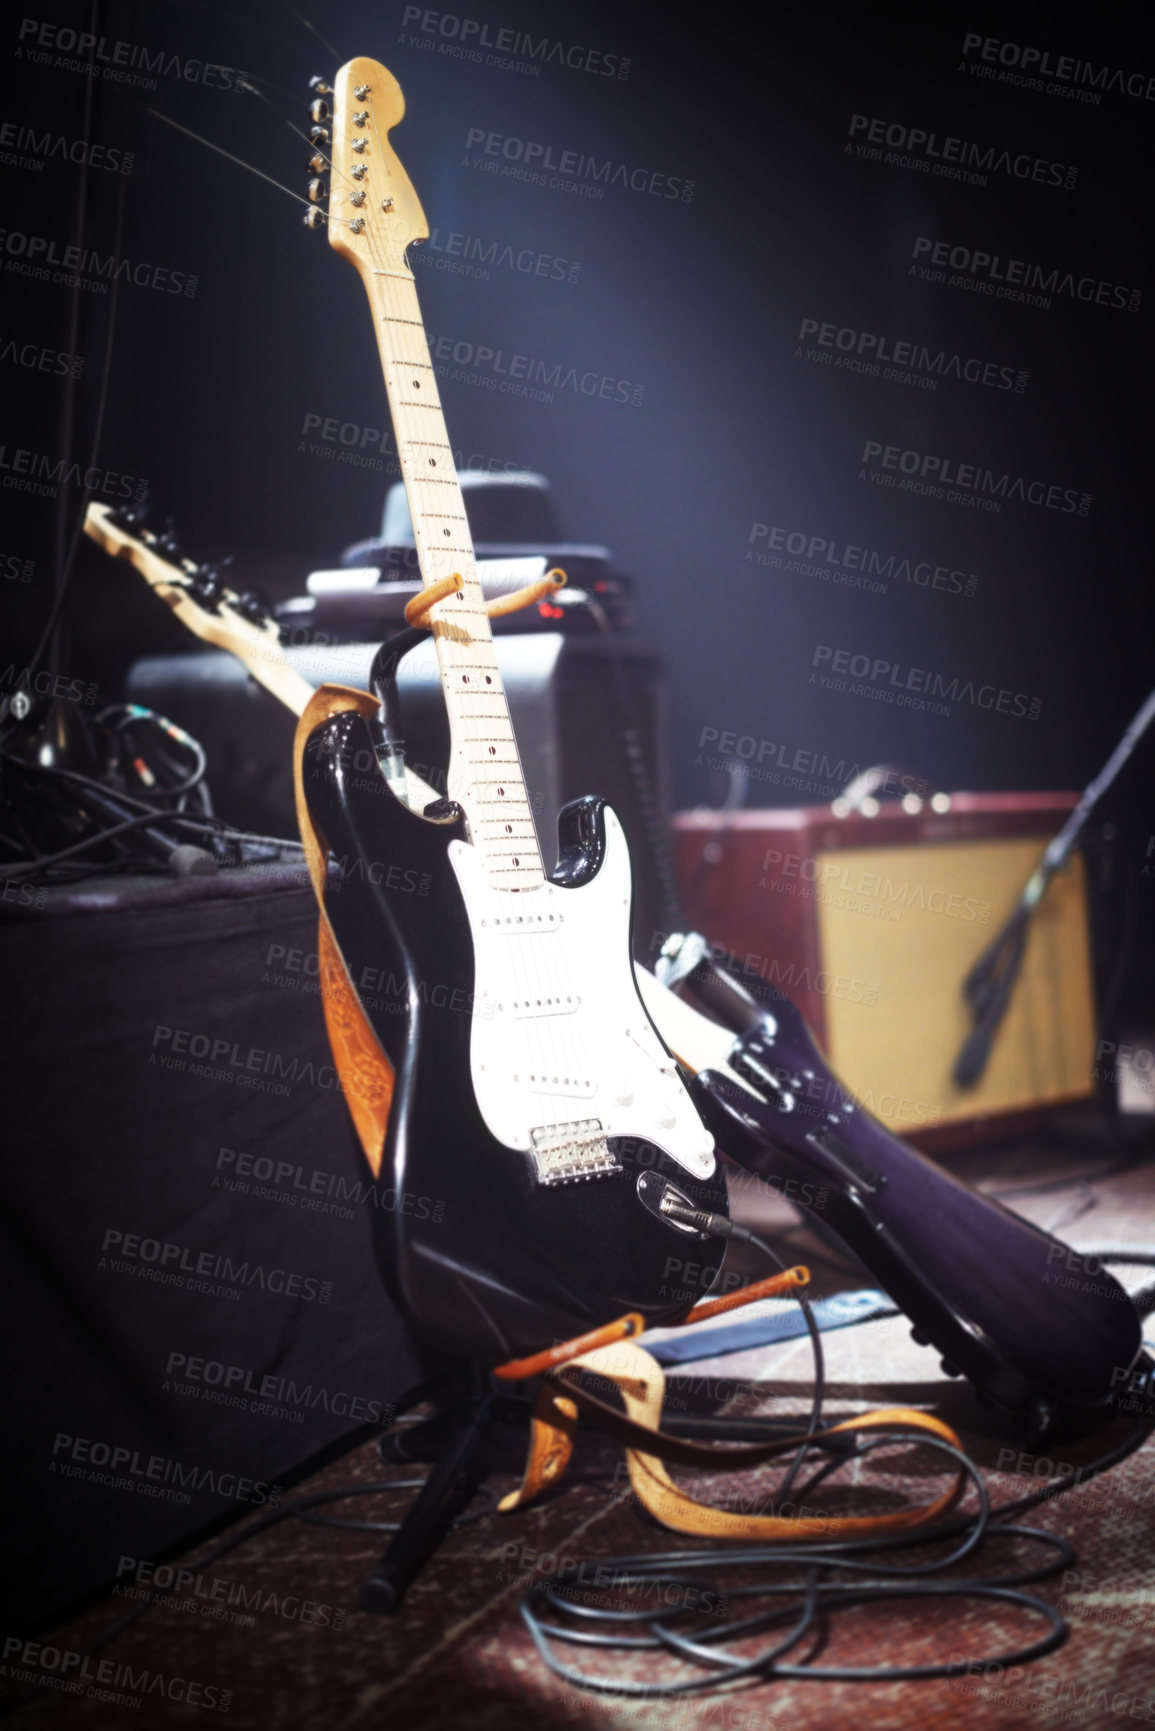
x: 570, y: 1153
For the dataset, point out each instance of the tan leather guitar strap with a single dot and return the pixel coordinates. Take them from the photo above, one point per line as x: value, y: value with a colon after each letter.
x: 641, y: 1382
x: 366, y: 1073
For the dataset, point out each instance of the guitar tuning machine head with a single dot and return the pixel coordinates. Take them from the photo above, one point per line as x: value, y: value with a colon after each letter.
x: 167, y: 545
x: 251, y: 606
x: 206, y: 587
x: 318, y: 162
x: 319, y: 135
x: 320, y: 86
x: 314, y: 218
x: 132, y: 516
x: 318, y: 192
x: 319, y: 111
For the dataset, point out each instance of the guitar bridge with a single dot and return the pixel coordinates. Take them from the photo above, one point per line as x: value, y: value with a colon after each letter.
x: 569, y: 1153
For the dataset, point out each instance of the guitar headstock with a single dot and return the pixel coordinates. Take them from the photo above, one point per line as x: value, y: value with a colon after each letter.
x: 196, y: 593
x: 374, y: 213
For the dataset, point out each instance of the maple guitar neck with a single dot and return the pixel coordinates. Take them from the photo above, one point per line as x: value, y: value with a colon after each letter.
x: 373, y: 216
x: 255, y: 641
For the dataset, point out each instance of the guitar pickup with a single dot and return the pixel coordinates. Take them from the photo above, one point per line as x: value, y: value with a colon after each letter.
x: 557, y: 1003
x: 571, y: 1153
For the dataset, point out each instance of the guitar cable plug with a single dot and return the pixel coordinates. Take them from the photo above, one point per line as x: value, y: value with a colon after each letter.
x: 714, y: 1225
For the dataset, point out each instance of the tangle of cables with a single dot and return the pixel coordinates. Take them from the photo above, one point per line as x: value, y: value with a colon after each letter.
x: 722, y: 1618
x: 144, y: 807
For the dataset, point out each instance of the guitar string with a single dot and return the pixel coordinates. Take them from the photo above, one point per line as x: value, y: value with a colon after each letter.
x: 317, y: 151
x: 552, y: 1052
x: 530, y: 977
x: 493, y: 768
x: 393, y: 345
x: 455, y: 658
x: 229, y: 157
x: 545, y: 1056
x: 478, y: 599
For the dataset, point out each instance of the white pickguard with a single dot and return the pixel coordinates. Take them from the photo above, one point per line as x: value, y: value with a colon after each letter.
x: 560, y: 1035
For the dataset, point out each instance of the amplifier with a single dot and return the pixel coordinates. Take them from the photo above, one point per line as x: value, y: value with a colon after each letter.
x: 588, y: 713
x: 871, y: 923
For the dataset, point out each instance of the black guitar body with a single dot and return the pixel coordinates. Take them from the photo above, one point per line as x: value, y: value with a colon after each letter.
x: 1033, y: 1325
x: 483, y: 1259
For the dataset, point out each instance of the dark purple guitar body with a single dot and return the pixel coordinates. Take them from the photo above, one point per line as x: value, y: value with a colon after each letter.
x: 994, y: 1294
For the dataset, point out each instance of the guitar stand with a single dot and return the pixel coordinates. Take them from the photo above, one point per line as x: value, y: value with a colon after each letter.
x: 454, y: 1437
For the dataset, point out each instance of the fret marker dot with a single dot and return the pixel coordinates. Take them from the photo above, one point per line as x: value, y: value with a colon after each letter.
x: 417, y: 384
x: 517, y: 862
x: 493, y: 751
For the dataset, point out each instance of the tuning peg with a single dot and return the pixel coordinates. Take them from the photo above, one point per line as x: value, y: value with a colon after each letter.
x: 252, y: 606
x: 318, y: 192
x: 320, y: 87
x: 132, y: 516
x: 319, y: 111
x: 167, y: 545
x: 314, y: 218
x: 318, y: 163
x: 319, y: 135
x: 206, y: 587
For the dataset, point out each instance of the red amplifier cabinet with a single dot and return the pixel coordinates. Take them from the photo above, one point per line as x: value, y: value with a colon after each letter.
x: 870, y: 924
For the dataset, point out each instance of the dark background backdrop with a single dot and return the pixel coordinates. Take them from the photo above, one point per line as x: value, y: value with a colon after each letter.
x: 700, y: 302
x: 214, y: 397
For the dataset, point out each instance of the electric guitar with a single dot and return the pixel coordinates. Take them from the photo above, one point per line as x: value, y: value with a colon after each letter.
x: 531, y: 1095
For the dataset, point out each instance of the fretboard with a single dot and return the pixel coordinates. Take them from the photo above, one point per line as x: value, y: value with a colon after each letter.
x: 484, y: 770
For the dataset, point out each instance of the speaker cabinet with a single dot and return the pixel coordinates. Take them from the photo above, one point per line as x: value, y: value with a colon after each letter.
x: 588, y: 713
x: 870, y: 925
